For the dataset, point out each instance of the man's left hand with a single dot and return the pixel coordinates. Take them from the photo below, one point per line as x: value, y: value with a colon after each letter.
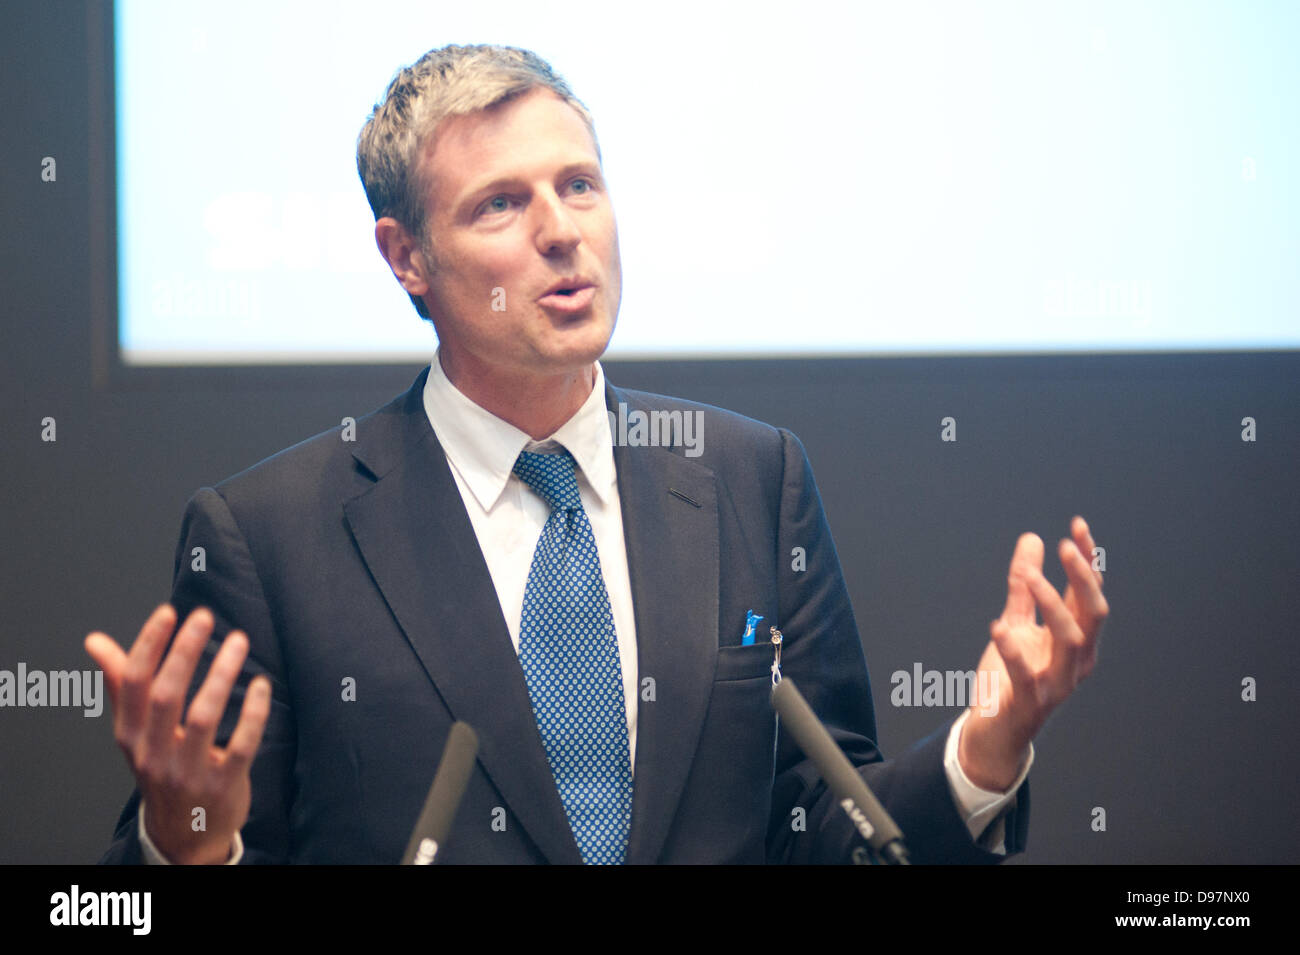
x: 1032, y: 667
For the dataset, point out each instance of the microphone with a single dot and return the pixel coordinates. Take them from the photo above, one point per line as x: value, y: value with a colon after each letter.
x: 851, y: 792
x: 448, y: 788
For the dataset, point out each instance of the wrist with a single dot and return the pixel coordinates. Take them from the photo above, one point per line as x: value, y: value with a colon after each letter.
x: 988, y: 759
x: 182, y: 851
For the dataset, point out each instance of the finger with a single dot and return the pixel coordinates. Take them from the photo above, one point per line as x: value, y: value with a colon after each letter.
x: 1084, y: 591
x: 167, y: 694
x: 204, y: 715
x: 111, y: 659
x: 1083, y: 538
x: 1020, y: 602
x: 1086, y: 602
x: 247, y: 736
x: 1013, y: 658
x: 1068, y: 640
x: 141, y: 665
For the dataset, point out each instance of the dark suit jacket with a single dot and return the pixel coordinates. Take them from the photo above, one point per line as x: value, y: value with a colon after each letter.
x: 355, y: 560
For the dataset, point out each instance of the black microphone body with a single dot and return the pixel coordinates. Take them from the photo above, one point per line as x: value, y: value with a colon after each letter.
x: 851, y: 792
x: 449, y: 783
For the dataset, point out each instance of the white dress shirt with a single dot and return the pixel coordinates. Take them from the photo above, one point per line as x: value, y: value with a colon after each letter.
x: 508, y: 518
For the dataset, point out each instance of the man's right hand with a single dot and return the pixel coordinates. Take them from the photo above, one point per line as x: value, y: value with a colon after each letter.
x: 177, y: 767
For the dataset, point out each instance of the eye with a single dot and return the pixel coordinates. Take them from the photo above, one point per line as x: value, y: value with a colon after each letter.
x: 587, y: 186
x: 496, y: 204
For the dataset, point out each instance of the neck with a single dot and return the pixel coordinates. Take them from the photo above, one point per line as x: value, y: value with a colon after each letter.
x: 537, y: 404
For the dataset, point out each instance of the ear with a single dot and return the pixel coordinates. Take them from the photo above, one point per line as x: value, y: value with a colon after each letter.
x: 402, y: 253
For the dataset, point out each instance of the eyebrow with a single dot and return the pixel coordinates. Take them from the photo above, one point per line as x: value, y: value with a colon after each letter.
x: 588, y: 166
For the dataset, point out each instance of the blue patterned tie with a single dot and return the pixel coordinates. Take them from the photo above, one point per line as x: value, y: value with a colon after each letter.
x: 569, y: 653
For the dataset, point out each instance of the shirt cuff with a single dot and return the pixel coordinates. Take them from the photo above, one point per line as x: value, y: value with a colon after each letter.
x: 984, y: 811
x: 153, y: 857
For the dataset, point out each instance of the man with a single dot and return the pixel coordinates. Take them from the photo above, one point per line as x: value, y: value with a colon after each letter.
x: 486, y: 551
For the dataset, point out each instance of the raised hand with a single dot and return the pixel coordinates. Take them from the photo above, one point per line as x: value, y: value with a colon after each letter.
x: 1033, y: 667
x: 178, y: 768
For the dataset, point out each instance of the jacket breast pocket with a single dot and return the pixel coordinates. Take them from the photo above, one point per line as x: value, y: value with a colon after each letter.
x: 744, y: 663
x: 738, y: 747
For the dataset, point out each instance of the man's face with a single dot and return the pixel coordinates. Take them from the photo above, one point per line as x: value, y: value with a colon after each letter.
x: 516, y: 205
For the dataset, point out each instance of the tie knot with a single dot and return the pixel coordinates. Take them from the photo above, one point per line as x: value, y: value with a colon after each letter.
x: 552, y: 476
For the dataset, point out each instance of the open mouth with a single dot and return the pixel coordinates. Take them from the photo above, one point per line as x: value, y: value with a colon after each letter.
x: 570, y: 300
x: 569, y: 291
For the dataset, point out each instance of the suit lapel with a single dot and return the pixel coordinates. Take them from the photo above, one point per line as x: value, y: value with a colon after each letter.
x: 417, y: 541
x: 670, y: 523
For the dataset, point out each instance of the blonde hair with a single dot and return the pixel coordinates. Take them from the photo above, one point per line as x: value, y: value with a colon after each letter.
x: 450, y: 81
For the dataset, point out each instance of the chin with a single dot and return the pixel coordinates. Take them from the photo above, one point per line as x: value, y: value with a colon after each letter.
x: 573, y: 359
x: 581, y: 345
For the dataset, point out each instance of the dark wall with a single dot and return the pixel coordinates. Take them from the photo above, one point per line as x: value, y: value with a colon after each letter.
x: 1199, y: 527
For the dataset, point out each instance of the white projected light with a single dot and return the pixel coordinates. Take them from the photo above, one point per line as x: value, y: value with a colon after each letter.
x: 811, y: 179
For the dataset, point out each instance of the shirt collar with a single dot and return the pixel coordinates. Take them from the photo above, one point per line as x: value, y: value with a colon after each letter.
x: 483, y: 448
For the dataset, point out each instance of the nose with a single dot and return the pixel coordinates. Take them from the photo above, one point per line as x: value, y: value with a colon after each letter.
x: 557, y: 233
